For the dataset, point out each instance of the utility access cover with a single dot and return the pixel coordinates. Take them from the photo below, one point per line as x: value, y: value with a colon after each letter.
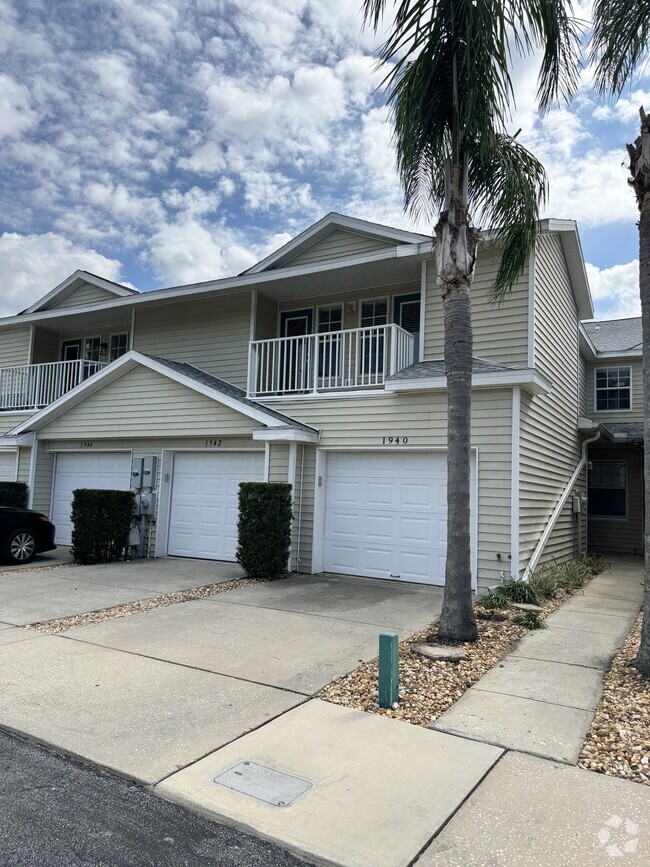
x: 267, y: 785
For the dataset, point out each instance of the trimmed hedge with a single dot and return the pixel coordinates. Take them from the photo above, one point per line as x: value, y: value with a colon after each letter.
x: 264, y: 528
x: 13, y: 494
x: 101, y: 521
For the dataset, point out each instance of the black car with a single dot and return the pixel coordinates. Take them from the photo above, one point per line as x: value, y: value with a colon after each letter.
x: 23, y: 534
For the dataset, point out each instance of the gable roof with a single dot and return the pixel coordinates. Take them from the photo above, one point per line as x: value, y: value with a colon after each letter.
x: 72, y: 283
x: 192, y: 377
x: 324, y: 227
x: 615, y: 335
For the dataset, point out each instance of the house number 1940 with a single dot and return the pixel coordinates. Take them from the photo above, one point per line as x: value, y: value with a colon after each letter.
x: 394, y: 441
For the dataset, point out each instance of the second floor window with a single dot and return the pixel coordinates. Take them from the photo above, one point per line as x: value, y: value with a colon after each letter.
x: 119, y: 346
x: 613, y: 388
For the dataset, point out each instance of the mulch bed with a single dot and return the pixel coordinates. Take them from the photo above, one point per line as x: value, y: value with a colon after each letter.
x: 618, y: 742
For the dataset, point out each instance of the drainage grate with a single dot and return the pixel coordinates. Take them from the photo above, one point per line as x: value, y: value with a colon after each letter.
x: 267, y: 785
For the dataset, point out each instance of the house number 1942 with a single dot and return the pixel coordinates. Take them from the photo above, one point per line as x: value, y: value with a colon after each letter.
x: 394, y: 441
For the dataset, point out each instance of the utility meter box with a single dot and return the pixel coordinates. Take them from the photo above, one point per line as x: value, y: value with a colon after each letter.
x: 136, y: 473
x: 145, y: 503
x: 576, y: 504
x: 149, y: 466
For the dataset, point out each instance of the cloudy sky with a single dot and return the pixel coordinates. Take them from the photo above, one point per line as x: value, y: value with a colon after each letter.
x: 161, y: 142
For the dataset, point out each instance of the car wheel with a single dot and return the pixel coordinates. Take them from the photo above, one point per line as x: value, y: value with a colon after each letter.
x: 20, y: 546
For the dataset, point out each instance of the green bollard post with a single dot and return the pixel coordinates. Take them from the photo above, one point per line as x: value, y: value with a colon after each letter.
x: 388, y: 669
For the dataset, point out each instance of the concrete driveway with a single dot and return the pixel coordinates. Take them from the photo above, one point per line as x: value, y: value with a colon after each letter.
x: 150, y: 693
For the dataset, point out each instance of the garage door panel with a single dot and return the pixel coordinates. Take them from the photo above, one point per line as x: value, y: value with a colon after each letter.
x: 386, y: 515
x: 100, y: 470
x: 204, y: 502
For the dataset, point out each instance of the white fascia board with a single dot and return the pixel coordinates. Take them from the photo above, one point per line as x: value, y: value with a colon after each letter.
x: 330, y: 222
x: 286, y: 435
x: 242, y: 282
x: 613, y: 354
x: 122, y: 366
x: 531, y: 382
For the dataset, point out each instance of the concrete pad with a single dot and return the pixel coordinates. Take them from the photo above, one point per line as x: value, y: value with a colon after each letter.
x: 598, y: 605
x: 595, y: 650
x: 38, y: 596
x: 278, y: 648
x: 551, y: 682
x: 394, y: 604
x: 140, y: 717
x: 15, y: 633
x: 157, y: 576
x: 382, y: 787
x: 616, y: 628
x: 58, y: 557
x: 534, y: 813
x: 613, y: 589
x: 548, y: 730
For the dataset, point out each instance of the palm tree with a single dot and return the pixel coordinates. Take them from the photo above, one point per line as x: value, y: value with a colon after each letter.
x: 449, y: 91
x: 620, y: 45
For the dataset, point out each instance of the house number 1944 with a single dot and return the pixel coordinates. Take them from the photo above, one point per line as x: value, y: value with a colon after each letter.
x: 394, y: 441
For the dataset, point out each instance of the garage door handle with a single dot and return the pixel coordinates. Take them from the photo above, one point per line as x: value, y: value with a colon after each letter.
x: 395, y: 576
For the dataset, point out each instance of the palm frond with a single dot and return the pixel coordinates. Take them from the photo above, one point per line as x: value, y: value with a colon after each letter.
x: 620, y: 42
x: 508, y: 189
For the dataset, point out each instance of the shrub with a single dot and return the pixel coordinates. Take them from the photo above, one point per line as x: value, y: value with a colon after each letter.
x: 264, y: 528
x: 530, y: 620
x: 101, y: 522
x: 493, y: 600
x: 519, y: 591
x: 545, y: 580
x: 13, y: 494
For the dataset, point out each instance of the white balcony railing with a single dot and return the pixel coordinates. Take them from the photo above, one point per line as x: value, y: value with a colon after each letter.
x: 33, y: 386
x: 335, y: 360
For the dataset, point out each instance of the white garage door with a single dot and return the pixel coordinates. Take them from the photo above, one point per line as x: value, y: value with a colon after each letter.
x: 7, y: 466
x: 386, y: 515
x: 104, y: 470
x: 204, y: 504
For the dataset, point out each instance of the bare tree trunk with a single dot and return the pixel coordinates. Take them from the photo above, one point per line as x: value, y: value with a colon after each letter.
x: 640, y: 170
x: 456, y: 243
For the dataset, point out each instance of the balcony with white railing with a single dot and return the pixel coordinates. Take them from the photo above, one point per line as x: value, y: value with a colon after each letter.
x: 33, y: 386
x: 359, y: 358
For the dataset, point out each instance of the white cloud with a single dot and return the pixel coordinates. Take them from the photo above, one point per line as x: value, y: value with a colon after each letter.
x: 32, y: 265
x: 615, y: 290
x: 16, y: 113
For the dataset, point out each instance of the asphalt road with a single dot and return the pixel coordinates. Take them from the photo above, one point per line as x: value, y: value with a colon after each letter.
x: 55, y: 812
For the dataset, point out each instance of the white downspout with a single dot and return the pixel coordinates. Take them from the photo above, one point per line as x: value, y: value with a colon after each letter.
x: 539, y: 550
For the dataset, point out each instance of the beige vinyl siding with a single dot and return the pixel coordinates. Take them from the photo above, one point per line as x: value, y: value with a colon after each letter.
x: 210, y: 334
x: 618, y: 415
x: 303, y: 529
x: 10, y: 420
x: 550, y: 443
x: 144, y: 403
x: 279, y: 462
x: 46, y: 346
x: 24, y: 456
x: 362, y: 422
x: 620, y: 535
x: 351, y: 302
x: 15, y: 342
x: 500, y: 331
x: 42, y: 496
x: 337, y: 245
x: 582, y: 386
x: 266, y: 320
x: 86, y: 294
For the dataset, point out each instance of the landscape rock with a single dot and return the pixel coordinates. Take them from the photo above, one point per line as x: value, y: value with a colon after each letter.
x: 439, y: 652
x: 525, y: 606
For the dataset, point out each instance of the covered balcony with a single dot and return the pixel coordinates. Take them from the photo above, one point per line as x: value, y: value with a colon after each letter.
x: 357, y: 358
x: 33, y: 386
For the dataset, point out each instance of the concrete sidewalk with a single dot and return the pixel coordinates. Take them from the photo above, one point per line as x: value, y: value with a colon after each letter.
x: 541, y: 697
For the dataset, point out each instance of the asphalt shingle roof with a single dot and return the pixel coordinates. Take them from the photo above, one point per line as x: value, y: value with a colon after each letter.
x: 425, y: 369
x: 615, y: 335
x: 631, y: 429
x: 226, y: 388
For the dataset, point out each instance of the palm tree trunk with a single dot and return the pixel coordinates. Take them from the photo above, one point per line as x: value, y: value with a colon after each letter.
x: 456, y: 243
x: 641, y: 181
